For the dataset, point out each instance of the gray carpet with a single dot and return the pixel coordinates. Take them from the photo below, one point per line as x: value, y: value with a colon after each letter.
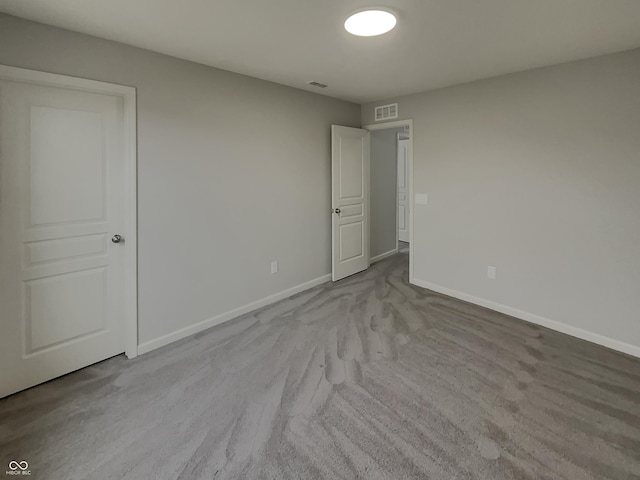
x: 369, y: 378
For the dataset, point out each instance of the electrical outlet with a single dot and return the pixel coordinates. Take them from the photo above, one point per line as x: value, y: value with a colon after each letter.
x: 274, y: 267
x: 491, y: 272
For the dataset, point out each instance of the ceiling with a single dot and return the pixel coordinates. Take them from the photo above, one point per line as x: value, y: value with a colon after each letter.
x: 436, y: 43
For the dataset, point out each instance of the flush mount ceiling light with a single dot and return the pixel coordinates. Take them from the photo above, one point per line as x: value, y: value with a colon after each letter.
x: 370, y: 23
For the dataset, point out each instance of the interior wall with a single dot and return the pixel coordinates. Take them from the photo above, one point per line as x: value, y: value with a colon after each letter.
x: 233, y: 172
x: 383, y: 185
x: 538, y: 174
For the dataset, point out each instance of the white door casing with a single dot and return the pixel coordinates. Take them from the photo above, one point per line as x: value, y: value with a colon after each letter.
x: 349, y: 201
x: 403, y: 189
x: 67, y: 173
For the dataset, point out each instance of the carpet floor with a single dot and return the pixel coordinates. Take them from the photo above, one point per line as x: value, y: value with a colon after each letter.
x: 369, y: 378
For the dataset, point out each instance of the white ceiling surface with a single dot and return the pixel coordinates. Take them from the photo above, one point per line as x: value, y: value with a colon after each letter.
x: 436, y: 43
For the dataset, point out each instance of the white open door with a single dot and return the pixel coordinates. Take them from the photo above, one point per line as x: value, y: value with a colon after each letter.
x: 65, y: 242
x: 403, y: 189
x: 349, y: 200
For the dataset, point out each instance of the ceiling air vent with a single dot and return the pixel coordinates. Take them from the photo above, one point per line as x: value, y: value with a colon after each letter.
x: 317, y: 84
x: 386, y: 112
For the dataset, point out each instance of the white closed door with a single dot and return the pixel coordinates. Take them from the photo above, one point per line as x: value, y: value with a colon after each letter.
x: 350, y: 200
x: 403, y: 190
x: 61, y: 202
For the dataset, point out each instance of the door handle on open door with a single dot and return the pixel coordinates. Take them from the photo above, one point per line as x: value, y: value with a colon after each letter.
x: 336, y: 210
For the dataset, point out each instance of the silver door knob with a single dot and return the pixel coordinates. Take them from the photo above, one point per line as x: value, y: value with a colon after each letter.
x: 336, y: 210
x: 116, y: 239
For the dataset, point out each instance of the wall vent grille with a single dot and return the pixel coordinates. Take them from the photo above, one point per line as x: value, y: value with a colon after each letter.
x: 386, y: 112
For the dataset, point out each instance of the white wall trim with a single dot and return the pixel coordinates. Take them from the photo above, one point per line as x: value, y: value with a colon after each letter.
x: 128, y: 95
x: 230, y: 315
x: 403, y: 123
x: 384, y: 255
x: 536, y: 319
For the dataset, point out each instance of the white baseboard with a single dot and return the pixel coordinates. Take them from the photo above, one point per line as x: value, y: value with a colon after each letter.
x: 230, y: 315
x: 537, y: 319
x: 382, y: 256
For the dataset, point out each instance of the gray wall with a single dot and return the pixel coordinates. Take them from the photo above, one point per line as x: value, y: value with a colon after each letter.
x: 537, y: 173
x: 233, y: 172
x: 384, y: 185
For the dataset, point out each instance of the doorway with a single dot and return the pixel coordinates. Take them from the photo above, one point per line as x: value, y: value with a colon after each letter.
x: 391, y: 153
x: 371, y: 171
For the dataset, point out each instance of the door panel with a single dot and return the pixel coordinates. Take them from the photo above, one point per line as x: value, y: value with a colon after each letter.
x: 351, y: 168
x: 350, y: 200
x: 62, y: 172
x: 402, y: 220
x: 351, y: 241
x: 62, y: 143
x: 403, y: 190
x: 80, y: 308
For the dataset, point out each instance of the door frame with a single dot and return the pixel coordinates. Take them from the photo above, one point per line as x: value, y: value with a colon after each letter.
x: 128, y: 95
x: 402, y: 123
